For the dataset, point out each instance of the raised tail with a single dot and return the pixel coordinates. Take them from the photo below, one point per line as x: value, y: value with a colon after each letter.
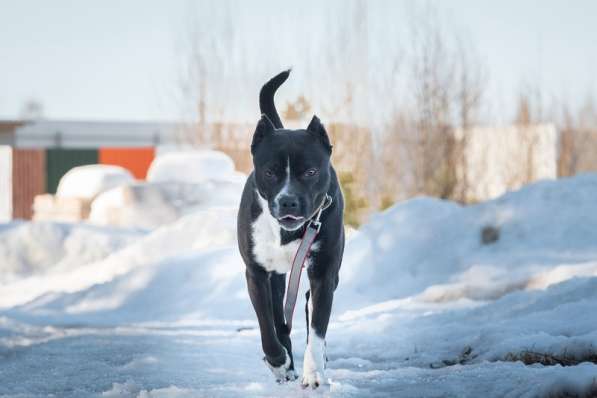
x: 266, y: 98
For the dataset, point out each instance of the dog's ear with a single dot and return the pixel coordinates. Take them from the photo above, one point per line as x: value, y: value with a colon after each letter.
x: 263, y: 129
x: 316, y: 128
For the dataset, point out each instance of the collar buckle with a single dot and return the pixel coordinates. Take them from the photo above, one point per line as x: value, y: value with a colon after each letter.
x: 314, y: 221
x: 316, y: 224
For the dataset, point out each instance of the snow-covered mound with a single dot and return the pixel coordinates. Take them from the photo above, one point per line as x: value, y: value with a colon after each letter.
x: 151, y: 205
x: 140, y: 205
x: 28, y: 249
x: 178, y: 183
x: 203, y: 286
x: 199, y: 231
x: 555, y: 321
x: 86, y: 182
x: 424, y: 250
x: 192, y: 167
x: 434, y: 247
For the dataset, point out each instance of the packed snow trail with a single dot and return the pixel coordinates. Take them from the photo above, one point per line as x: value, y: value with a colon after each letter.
x: 379, y: 352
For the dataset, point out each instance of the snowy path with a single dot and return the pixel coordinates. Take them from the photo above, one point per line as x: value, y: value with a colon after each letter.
x: 216, y: 361
x: 384, y: 350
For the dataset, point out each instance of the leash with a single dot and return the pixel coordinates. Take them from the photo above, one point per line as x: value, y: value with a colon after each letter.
x: 301, y: 255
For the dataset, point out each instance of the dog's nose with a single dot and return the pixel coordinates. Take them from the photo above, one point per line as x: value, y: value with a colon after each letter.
x: 288, y: 203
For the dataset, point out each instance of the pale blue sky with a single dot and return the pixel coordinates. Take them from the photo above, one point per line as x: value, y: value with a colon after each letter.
x: 122, y: 59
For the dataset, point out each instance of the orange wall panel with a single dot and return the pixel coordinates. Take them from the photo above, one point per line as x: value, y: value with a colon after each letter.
x: 136, y: 160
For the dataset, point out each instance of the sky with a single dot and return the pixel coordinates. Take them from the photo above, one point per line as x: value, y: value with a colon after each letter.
x: 124, y: 60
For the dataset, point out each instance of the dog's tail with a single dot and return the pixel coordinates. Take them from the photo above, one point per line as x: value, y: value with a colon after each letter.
x: 266, y: 98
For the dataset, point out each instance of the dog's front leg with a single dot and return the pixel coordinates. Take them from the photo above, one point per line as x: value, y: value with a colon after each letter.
x: 319, y: 309
x: 276, y: 357
x: 278, y: 283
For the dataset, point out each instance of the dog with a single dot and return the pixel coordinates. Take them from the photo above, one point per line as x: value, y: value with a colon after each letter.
x: 292, y: 179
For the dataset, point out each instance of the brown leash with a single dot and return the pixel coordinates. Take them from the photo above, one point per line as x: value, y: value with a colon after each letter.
x: 301, y: 255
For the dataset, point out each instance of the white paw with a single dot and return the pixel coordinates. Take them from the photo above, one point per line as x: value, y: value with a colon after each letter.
x: 312, y: 379
x: 282, y: 373
x: 314, y: 362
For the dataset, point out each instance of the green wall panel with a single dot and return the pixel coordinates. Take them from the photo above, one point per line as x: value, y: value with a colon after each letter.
x: 59, y: 161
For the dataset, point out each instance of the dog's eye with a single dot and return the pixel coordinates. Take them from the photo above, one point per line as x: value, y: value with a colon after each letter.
x: 269, y: 174
x: 311, y: 173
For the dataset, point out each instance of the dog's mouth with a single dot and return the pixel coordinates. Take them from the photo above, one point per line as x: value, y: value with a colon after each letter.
x: 291, y: 222
x: 291, y: 218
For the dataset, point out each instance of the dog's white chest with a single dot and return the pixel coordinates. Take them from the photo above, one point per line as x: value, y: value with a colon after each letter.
x: 267, y: 247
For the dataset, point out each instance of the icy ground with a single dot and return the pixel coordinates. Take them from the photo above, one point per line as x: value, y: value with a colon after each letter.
x: 423, y: 308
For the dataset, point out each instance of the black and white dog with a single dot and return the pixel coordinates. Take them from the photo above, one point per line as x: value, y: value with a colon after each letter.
x: 292, y: 178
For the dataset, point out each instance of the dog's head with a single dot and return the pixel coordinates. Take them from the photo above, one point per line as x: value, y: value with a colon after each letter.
x: 292, y: 170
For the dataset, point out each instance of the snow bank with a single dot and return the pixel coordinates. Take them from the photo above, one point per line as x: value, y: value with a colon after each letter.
x: 402, y: 250
x: 207, y: 286
x: 202, y: 230
x: 138, y: 205
x: 425, y: 251
x: 151, y: 205
x: 28, y: 249
x: 86, y: 182
x: 178, y: 183
x: 432, y: 246
x: 191, y: 167
x: 556, y: 321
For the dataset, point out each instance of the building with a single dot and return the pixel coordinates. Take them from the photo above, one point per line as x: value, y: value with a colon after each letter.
x: 34, y: 155
x: 501, y: 159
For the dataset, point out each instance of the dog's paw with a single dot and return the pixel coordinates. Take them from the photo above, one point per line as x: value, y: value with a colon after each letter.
x: 282, y: 373
x: 312, y: 379
x: 290, y: 376
x: 314, y: 363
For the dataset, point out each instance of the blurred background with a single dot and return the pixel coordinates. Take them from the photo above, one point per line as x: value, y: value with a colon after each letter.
x: 459, y: 100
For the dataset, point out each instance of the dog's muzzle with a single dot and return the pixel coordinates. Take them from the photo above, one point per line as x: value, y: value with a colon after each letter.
x: 288, y: 212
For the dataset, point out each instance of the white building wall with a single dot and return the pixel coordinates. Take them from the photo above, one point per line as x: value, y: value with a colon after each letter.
x: 5, y: 183
x: 501, y: 159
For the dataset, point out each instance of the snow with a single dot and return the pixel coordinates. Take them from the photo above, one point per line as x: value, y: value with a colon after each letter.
x: 437, y: 247
x: 36, y: 249
x: 86, y: 182
x: 138, y: 205
x: 423, y: 307
x: 192, y: 234
x: 178, y: 183
x: 192, y: 167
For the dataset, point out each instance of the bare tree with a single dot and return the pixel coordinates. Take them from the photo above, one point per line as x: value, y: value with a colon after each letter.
x: 528, y: 115
x: 471, y: 77
x: 210, y: 44
x: 411, y: 127
x: 447, y: 85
